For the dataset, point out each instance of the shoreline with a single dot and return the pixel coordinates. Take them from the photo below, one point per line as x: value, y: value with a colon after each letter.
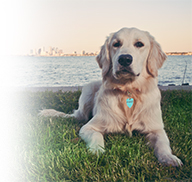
x: 76, y: 88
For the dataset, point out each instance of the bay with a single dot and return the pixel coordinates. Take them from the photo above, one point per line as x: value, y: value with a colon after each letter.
x: 24, y: 71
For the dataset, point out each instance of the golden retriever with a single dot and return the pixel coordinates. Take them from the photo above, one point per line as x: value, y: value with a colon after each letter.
x: 128, y: 97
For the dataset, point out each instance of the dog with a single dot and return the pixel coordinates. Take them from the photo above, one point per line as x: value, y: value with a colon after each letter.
x: 127, y: 98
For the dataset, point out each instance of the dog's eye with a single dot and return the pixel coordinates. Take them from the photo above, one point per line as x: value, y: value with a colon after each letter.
x: 138, y: 44
x: 117, y: 44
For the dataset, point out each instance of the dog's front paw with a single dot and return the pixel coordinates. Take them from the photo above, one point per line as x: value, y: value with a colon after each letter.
x: 93, y: 139
x: 169, y: 159
x: 96, y: 150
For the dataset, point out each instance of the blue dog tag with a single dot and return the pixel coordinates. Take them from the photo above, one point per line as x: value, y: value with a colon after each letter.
x: 130, y: 102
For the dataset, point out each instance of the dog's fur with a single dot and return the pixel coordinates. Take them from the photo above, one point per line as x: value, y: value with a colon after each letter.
x: 103, y: 103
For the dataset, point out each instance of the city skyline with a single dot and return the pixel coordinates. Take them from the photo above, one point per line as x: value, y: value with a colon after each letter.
x: 84, y: 25
x: 55, y: 51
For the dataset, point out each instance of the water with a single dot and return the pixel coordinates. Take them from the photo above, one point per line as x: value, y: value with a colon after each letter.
x: 173, y: 69
x: 77, y: 71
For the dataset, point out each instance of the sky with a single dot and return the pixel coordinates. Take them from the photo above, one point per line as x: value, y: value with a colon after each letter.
x: 76, y: 25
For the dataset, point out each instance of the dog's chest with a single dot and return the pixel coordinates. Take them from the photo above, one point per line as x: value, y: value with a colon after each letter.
x: 131, y: 113
x: 129, y: 105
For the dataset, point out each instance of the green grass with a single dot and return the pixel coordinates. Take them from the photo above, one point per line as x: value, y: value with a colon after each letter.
x: 49, y: 149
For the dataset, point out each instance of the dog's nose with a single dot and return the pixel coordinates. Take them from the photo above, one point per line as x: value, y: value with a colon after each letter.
x: 125, y: 60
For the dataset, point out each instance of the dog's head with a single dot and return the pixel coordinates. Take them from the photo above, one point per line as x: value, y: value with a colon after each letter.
x: 128, y: 52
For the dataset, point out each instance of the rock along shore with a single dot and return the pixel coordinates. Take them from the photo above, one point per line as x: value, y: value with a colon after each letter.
x: 73, y: 89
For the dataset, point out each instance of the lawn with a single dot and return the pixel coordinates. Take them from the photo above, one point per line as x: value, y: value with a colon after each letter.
x: 49, y: 149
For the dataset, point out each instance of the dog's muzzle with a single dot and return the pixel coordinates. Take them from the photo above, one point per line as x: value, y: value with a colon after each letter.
x: 124, y: 68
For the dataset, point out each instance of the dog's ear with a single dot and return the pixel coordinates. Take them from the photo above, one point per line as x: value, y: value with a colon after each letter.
x: 103, y: 58
x: 156, y: 57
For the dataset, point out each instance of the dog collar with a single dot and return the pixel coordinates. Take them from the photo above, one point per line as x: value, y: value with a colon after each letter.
x: 130, y: 99
x: 127, y: 92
